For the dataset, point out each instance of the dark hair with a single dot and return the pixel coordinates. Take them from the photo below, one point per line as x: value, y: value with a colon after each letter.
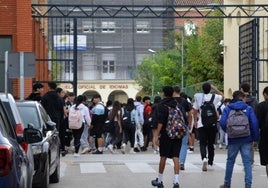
x: 37, y: 86
x: 184, y: 95
x: 146, y: 98
x: 168, y: 91
x: 71, y: 94
x: 238, y: 95
x: 206, y: 87
x: 265, y: 90
x: 59, y: 89
x: 130, y: 104
x: 245, y: 87
x: 79, y: 100
x: 109, y: 103
x: 157, y: 99
x: 52, y: 85
x: 96, y: 96
x: 138, y: 98
x: 177, y: 89
x: 114, y: 111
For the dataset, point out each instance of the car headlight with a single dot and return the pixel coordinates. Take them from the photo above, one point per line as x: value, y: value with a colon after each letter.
x: 37, y: 149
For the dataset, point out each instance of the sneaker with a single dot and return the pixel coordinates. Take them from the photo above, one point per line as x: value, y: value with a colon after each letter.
x: 63, y: 153
x: 123, y: 148
x: 205, y: 164
x: 182, y: 166
x: 220, y: 146
x: 225, y: 186
x: 136, y: 150
x: 156, y: 152
x: 210, y: 167
x: 157, y: 184
x: 111, y: 148
x: 190, y: 150
x: 176, y: 185
x: 97, y: 152
x: 132, y: 151
x: 143, y: 148
x: 85, y: 150
x: 76, y: 155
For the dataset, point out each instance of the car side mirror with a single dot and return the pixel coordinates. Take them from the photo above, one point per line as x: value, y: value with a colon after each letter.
x: 32, y: 135
x: 50, y: 125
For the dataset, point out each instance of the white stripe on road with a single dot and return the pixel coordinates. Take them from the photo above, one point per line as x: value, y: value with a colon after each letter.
x: 140, y: 168
x: 92, y: 168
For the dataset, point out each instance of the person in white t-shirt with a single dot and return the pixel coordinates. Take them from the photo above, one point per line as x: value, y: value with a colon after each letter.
x: 207, y: 135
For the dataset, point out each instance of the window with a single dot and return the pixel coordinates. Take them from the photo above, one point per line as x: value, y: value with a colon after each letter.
x: 142, y: 26
x: 89, y: 27
x: 68, y: 63
x: 108, y: 27
x: 108, y: 66
x: 68, y: 27
x: 5, y: 45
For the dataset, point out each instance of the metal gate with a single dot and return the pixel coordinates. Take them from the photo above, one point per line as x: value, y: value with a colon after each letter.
x: 252, y: 63
x: 63, y: 63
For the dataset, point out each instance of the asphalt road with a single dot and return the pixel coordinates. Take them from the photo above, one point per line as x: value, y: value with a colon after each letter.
x: 137, y: 170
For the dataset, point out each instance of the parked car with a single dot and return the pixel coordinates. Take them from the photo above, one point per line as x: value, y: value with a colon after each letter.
x: 16, y: 121
x: 14, y: 162
x: 47, y: 152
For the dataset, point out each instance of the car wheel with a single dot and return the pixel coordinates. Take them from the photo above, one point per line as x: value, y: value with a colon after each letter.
x: 45, y: 182
x: 55, y: 177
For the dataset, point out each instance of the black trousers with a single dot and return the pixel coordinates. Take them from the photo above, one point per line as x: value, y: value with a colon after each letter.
x: 77, y: 133
x: 129, y: 134
x: 207, y: 138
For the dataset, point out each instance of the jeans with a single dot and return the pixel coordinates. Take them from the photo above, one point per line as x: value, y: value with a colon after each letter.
x: 184, y: 147
x: 84, y: 137
x: 245, y: 151
x: 139, y: 140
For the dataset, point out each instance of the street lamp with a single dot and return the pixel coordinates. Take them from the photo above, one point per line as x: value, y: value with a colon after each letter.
x: 153, y: 52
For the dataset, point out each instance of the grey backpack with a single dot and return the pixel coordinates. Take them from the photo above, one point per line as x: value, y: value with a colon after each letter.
x: 237, y: 124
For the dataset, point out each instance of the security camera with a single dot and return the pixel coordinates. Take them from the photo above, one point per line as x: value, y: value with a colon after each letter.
x: 222, y: 52
x: 221, y: 43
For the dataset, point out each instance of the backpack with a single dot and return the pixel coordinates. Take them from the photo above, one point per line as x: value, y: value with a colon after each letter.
x: 75, y: 118
x: 147, y: 119
x: 126, y: 119
x: 208, y: 113
x: 237, y: 124
x: 219, y: 109
x: 176, y: 127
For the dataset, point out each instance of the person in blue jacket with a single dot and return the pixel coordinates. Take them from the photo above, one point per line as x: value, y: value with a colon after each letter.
x: 240, y: 144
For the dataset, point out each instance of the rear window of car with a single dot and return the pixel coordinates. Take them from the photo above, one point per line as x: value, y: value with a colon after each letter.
x: 6, y: 128
x: 29, y: 115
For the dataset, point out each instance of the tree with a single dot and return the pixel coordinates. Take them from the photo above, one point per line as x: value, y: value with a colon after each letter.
x: 203, y: 55
x: 202, y: 61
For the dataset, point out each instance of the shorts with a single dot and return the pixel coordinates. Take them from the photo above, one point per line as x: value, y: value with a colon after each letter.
x: 97, y: 131
x: 169, y: 147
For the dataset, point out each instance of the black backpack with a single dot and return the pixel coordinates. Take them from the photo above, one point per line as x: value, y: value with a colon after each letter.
x: 208, y: 113
x: 126, y: 119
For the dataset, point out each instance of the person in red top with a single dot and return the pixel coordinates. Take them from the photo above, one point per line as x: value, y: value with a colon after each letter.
x: 146, y: 127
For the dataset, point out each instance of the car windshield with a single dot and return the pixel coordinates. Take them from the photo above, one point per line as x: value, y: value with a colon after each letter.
x: 29, y: 115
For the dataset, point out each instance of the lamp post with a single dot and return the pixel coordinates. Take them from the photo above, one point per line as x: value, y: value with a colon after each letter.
x: 153, y: 52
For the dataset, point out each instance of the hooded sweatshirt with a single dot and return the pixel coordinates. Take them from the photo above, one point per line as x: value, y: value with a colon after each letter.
x: 253, y: 122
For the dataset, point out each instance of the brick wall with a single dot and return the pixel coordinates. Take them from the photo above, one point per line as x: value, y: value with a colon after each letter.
x: 16, y: 21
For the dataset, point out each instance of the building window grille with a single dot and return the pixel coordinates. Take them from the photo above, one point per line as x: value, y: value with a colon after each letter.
x: 108, y: 27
